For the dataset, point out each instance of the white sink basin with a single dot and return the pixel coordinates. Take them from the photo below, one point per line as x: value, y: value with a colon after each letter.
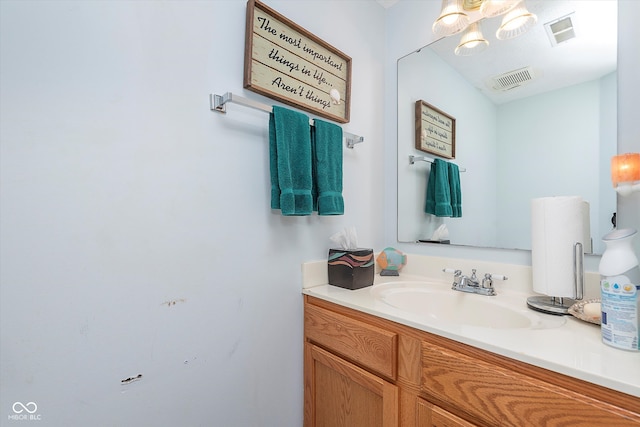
x: 441, y: 304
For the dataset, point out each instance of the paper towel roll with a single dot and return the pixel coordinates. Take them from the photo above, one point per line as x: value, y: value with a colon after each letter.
x: 557, y: 223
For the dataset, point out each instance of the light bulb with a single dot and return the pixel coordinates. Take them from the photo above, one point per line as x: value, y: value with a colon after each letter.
x: 516, y: 22
x: 452, y: 19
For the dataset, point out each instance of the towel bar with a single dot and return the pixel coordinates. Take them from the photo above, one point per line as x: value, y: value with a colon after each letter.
x: 218, y: 103
x: 413, y: 159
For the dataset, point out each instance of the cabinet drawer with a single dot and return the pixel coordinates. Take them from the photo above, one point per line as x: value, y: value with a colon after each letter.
x: 371, y: 347
x: 501, y: 397
x: 429, y: 415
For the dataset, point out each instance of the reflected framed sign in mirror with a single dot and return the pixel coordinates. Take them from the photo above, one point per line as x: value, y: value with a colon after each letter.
x: 435, y: 131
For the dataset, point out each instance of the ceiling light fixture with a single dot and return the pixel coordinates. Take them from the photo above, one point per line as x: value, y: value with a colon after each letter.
x: 516, y: 22
x: 472, y: 41
x: 491, y: 8
x: 452, y: 19
x: 471, y: 5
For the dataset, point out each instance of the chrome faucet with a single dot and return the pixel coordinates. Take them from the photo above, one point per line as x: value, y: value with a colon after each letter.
x: 472, y: 284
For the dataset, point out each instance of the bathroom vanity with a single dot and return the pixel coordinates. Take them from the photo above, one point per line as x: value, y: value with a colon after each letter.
x: 368, y: 363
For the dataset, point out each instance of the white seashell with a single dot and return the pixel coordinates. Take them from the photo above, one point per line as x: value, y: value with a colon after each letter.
x: 335, y: 96
x: 593, y: 310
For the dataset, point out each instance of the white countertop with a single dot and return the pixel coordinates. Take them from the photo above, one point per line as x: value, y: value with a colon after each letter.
x: 573, y: 348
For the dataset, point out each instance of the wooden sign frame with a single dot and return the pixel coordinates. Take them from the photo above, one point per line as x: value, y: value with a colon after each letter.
x: 283, y: 61
x: 435, y: 131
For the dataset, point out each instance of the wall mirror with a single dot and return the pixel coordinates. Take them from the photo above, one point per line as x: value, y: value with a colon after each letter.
x: 552, y: 132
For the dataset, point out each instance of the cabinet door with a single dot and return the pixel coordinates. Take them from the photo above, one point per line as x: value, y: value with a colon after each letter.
x: 340, y: 394
x: 429, y: 415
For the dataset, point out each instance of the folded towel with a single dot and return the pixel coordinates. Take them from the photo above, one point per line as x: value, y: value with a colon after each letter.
x: 290, y: 161
x: 438, y: 200
x: 456, y: 195
x: 327, y: 149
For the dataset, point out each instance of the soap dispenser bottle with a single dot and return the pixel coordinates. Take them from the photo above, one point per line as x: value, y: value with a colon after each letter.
x: 620, y: 291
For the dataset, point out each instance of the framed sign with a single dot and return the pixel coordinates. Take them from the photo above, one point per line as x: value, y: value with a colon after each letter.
x: 286, y: 62
x: 435, y: 131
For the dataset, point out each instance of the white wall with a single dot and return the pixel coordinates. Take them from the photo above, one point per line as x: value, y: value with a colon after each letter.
x: 122, y: 193
x: 628, y: 95
x: 608, y: 132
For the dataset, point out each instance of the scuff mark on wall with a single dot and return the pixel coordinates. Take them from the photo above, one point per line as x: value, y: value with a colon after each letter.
x: 234, y: 347
x: 173, y: 302
x: 131, y: 379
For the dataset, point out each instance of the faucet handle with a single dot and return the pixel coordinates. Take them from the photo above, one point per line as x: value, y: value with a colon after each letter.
x: 454, y: 271
x: 487, y: 282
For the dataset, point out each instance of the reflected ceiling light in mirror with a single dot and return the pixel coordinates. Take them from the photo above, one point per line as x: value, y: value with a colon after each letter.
x: 516, y: 22
x: 492, y: 8
x: 625, y: 173
x: 452, y: 19
x: 472, y: 41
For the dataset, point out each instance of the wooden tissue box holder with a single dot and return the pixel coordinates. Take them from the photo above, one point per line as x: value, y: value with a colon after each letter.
x: 351, y: 268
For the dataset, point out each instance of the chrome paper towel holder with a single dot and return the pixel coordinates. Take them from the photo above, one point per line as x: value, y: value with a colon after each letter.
x: 560, y: 305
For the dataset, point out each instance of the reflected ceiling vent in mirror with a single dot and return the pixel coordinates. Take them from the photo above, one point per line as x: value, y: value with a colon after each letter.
x: 512, y: 79
x: 561, y: 30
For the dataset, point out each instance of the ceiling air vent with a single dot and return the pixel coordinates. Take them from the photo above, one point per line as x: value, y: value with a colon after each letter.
x: 513, y: 79
x: 561, y: 30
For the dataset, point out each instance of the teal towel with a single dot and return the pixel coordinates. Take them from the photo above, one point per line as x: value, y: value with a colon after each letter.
x: 290, y: 162
x: 273, y: 164
x: 456, y: 194
x: 438, y: 201
x: 327, y: 165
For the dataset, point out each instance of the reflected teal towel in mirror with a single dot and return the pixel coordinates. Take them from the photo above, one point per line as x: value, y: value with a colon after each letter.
x: 327, y: 167
x: 456, y: 194
x: 290, y: 161
x: 438, y: 201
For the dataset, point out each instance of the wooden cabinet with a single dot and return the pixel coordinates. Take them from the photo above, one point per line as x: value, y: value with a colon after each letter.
x: 361, y: 370
x: 343, y: 395
x: 343, y: 381
x: 502, y: 396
